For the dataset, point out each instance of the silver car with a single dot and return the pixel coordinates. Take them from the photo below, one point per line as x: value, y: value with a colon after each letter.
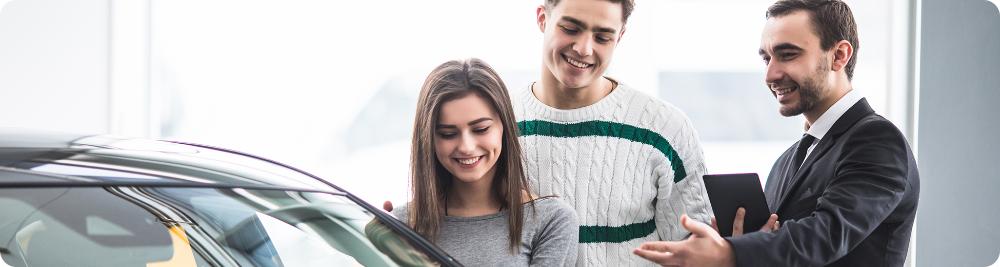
x: 70, y: 200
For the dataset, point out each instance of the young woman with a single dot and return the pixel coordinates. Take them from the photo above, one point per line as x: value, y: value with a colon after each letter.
x: 470, y: 194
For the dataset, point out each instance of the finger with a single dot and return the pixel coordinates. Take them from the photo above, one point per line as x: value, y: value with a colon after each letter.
x: 770, y: 224
x: 715, y: 226
x: 387, y: 205
x: 697, y: 228
x: 661, y: 258
x: 661, y: 246
x: 738, y: 221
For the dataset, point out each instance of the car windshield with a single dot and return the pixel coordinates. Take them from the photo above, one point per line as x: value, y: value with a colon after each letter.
x: 189, y: 226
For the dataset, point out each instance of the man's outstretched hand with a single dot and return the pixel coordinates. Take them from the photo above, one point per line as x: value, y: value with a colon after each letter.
x: 703, y: 248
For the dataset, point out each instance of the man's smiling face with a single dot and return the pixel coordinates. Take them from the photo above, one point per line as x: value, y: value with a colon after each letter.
x: 580, y: 39
x: 797, y: 67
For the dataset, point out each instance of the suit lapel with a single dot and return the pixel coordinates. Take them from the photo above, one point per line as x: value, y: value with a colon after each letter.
x: 845, y: 122
x: 778, y: 179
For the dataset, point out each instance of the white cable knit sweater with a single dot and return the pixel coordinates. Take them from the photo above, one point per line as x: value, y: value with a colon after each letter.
x: 629, y: 164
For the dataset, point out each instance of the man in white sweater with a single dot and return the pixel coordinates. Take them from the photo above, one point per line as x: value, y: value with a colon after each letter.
x: 629, y: 163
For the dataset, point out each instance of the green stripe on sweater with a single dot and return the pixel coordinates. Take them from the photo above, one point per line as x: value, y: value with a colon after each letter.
x: 599, y: 234
x: 609, y: 129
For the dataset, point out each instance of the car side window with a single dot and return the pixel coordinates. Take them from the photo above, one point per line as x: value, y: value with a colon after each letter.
x: 191, y: 226
x: 85, y: 227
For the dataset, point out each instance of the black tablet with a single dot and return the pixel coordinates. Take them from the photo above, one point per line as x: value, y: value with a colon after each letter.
x: 727, y: 192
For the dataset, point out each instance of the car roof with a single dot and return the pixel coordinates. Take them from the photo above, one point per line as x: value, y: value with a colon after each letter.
x: 33, y: 158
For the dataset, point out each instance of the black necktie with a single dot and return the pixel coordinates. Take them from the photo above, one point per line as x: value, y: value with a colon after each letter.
x: 793, y: 167
x: 800, y: 152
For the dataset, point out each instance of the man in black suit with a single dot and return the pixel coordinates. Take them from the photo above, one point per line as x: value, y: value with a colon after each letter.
x: 847, y: 192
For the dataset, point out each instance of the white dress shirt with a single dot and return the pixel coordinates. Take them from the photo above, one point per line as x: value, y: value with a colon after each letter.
x: 822, y: 125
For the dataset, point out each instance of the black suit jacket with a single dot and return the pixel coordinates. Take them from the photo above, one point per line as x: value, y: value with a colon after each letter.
x: 852, y: 203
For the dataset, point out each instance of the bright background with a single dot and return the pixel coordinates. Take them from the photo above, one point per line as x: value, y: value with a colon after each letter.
x: 330, y: 86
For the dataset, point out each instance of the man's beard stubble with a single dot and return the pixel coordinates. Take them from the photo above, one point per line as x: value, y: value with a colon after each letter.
x: 809, y: 91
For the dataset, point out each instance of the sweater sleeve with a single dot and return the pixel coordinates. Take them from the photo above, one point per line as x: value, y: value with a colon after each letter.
x: 687, y: 195
x: 556, y: 243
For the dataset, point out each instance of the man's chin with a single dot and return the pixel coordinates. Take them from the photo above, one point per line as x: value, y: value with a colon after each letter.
x: 790, y: 111
x: 576, y: 82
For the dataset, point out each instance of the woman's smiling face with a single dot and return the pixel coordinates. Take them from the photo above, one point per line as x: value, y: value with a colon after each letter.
x: 468, y: 139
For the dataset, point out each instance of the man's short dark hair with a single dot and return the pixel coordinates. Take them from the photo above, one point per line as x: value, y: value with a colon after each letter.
x: 832, y: 21
x: 627, y: 6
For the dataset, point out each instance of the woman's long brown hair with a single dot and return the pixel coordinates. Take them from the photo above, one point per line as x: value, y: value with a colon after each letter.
x: 429, y: 179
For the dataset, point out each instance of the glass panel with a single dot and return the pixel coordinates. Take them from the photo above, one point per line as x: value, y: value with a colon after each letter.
x: 709, y: 67
x: 85, y: 227
x: 290, y: 228
x: 337, y: 97
x: 193, y: 227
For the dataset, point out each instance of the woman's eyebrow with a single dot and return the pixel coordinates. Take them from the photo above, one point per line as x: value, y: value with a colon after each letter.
x: 473, y: 122
x: 480, y: 120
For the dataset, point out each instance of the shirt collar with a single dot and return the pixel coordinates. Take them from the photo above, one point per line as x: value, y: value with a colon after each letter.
x: 819, y: 128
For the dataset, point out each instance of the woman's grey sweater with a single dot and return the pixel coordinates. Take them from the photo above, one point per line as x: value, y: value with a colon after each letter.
x: 549, y: 236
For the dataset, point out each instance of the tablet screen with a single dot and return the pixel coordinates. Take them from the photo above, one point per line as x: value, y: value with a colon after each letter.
x: 728, y: 192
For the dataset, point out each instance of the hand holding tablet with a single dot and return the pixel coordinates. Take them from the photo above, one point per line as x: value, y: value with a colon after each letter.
x: 738, y: 203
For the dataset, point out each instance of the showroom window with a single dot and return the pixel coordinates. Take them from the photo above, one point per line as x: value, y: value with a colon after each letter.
x: 331, y: 86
